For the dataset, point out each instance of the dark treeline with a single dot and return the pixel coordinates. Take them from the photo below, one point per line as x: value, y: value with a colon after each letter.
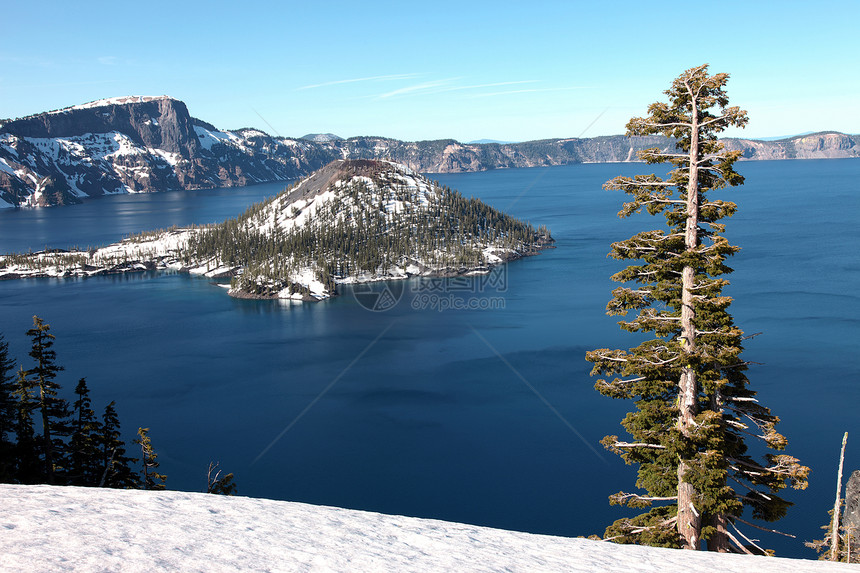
x: 46, y: 439
x: 355, y: 233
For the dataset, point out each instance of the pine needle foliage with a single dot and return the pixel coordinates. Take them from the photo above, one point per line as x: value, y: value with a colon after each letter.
x: 150, y: 478
x: 114, y: 464
x: 219, y: 484
x: 694, y: 408
x: 84, y: 452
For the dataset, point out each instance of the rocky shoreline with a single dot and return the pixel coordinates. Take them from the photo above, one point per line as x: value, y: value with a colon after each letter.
x: 168, y: 263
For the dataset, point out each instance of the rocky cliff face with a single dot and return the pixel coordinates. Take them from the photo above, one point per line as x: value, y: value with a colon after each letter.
x: 144, y: 144
x: 825, y: 145
x: 154, y: 122
x: 136, y: 145
x: 450, y: 156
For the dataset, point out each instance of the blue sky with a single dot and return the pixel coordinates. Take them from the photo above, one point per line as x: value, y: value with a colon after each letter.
x: 466, y: 70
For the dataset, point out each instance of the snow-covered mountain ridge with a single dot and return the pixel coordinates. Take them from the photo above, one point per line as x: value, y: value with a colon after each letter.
x: 110, y: 101
x: 142, y: 144
x: 50, y: 528
x: 136, y: 144
x: 352, y: 221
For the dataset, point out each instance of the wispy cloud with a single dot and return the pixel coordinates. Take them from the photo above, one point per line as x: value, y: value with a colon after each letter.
x: 440, y: 86
x: 506, y: 92
x: 354, y: 80
x: 491, y: 85
x: 424, y: 87
x: 530, y: 90
x: 108, y: 60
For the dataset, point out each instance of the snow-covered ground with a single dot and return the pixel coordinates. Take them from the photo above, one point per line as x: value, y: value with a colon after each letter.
x: 47, y: 528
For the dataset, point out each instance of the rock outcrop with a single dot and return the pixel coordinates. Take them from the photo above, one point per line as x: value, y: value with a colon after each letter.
x: 852, y: 504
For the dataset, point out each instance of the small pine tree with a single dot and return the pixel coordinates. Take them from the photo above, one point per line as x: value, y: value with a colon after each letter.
x: 151, y: 478
x: 218, y: 484
x: 114, y: 464
x: 84, y: 451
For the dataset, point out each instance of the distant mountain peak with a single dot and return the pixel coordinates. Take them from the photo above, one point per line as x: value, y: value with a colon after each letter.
x: 321, y: 137
x: 483, y: 141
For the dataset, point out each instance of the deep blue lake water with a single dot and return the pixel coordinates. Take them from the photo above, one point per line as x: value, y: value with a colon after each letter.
x: 479, y: 416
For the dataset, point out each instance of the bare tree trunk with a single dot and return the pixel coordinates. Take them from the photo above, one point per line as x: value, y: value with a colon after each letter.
x: 689, y: 520
x: 834, y: 535
x: 107, y: 468
x: 145, y: 462
x: 719, y: 541
x: 46, y: 433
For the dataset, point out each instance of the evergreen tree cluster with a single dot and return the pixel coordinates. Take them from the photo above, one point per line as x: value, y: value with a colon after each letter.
x: 43, y: 438
x: 373, y: 221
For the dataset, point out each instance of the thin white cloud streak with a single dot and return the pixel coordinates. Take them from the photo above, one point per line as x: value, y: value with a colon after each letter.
x: 491, y: 94
x: 439, y: 86
x: 418, y: 88
x: 532, y: 90
x: 355, y: 80
x: 492, y: 85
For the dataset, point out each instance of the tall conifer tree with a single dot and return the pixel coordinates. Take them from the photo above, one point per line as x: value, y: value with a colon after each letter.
x: 694, y: 407
x: 84, y: 451
x: 7, y: 413
x: 54, y: 410
x: 28, y: 467
x: 115, y: 465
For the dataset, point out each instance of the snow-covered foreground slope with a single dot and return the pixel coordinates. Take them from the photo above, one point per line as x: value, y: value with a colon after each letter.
x: 46, y: 528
